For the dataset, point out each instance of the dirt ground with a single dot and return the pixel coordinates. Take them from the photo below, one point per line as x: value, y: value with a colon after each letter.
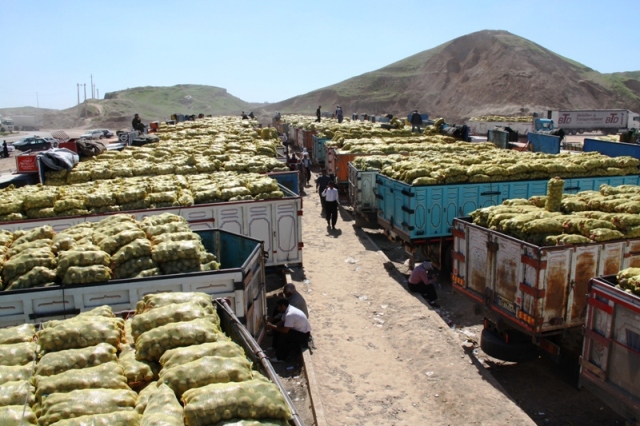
x: 385, y: 357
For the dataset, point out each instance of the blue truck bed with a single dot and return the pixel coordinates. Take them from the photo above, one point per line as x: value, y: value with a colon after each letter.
x: 612, y: 149
x: 541, y: 142
x: 318, y: 151
x: 417, y: 213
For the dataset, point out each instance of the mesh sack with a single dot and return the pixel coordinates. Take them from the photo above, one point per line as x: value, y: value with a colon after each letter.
x: 113, y: 243
x: 180, y: 356
x: 555, y: 188
x: 36, y: 277
x: 61, y: 361
x: 176, y: 236
x: 143, y: 396
x: 137, y: 372
x: 104, y: 376
x: 36, y: 244
x: 17, y: 393
x: 163, y: 409
x: 18, y: 353
x: 70, y: 258
x: 86, y: 274
x: 604, y: 234
x: 12, y: 373
x: 253, y: 399
x: 81, y: 332
x: 138, y: 248
x: 84, y: 402
x: 17, y: 415
x: 182, y: 266
x: 41, y: 233
x: 175, y: 312
x: 204, y: 371
x: 155, y: 300
x: 17, y: 334
x: 151, y: 345
x: 166, y: 228
x: 133, y: 267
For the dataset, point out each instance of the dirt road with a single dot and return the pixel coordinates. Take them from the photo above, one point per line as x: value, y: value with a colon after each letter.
x: 383, y: 356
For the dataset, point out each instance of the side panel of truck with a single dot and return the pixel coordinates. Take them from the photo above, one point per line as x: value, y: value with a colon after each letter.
x: 541, y: 142
x: 612, y: 149
x: 610, y: 362
x: 591, y: 119
x: 318, y: 151
x: 537, y: 289
x: 278, y: 223
x: 362, y: 187
x: 428, y: 211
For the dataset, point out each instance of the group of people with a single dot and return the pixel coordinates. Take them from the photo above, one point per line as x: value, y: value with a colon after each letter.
x: 246, y: 116
x: 289, y: 323
x: 339, y: 114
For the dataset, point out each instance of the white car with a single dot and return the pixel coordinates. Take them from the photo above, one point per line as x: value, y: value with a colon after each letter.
x: 105, y: 132
x: 92, y: 134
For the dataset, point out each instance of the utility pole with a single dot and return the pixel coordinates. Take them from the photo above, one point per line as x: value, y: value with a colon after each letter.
x: 97, y: 93
x: 85, y: 92
x: 37, y: 100
x: 78, y: 84
x: 91, y: 86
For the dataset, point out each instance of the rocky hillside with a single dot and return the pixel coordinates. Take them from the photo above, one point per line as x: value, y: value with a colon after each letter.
x: 487, y: 72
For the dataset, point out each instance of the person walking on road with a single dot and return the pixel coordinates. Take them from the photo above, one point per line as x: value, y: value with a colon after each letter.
x: 322, y: 182
x: 302, y: 176
x: 318, y: 114
x: 292, y: 332
x: 331, y: 202
x: 306, y: 162
x: 422, y: 281
x: 5, y: 149
x: 416, y: 121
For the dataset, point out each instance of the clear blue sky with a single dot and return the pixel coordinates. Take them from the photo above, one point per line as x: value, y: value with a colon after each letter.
x: 268, y: 51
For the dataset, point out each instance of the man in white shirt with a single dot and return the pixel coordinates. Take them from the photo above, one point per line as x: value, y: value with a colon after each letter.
x: 330, y: 195
x: 292, y: 332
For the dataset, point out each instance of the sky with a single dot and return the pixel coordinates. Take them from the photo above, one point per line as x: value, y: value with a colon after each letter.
x: 269, y: 51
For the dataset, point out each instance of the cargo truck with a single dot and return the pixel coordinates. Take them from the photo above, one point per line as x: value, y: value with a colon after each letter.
x: 421, y: 217
x: 608, y: 121
x: 609, y: 366
x: 275, y: 222
x: 240, y: 279
x: 26, y: 122
x: 610, y: 148
x: 531, y: 296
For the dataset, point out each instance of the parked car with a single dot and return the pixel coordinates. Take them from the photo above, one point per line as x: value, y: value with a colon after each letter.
x: 92, y: 134
x: 105, y: 132
x: 34, y: 143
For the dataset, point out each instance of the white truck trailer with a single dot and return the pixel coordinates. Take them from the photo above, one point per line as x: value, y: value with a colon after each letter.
x: 609, y: 121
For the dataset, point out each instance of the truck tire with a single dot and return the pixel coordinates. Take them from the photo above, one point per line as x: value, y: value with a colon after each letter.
x: 495, y: 347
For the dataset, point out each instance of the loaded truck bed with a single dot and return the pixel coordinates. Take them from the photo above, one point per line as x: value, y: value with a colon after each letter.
x: 276, y: 222
x: 241, y: 280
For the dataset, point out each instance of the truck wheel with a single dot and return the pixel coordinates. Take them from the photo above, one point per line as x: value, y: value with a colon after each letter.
x: 494, y: 346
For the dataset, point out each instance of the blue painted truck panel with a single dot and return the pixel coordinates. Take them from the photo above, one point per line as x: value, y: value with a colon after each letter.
x: 287, y: 179
x: 419, y: 212
x: 318, y: 151
x: 541, y: 142
x: 612, y: 149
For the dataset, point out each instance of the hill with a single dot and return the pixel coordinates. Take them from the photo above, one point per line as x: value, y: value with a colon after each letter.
x: 152, y: 103
x: 487, y: 72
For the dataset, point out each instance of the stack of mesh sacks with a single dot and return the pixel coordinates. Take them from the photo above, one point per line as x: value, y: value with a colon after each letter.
x: 174, y: 247
x: 29, y: 258
x: 77, y: 379
x: 200, y: 366
x: 629, y: 280
x: 561, y: 219
x: 17, y: 361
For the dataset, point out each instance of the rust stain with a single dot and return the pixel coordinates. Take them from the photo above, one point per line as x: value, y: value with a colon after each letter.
x: 556, y: 290
x: 478, y: 281
x: 634, y: 262
x: 507, y: 285
x: 612, y: 264
x: 585, y: 270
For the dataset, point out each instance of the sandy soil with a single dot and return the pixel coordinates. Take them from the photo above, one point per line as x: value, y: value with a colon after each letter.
x: 383, y: 356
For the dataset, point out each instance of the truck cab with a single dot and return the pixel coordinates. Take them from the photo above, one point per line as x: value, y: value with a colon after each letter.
x: 6, y: 124
x: 543, y: 125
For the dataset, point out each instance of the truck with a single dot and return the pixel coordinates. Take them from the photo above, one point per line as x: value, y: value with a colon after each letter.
x: 482, y: 127
x: 275, y: 222
x: 26, y: 122
x: 421, y: 217
x: 531, y: 297
x: 611, y: 349
x: 610, y: 148
x: 608, y: 121
x: 6, y: 124
x: 241, y: 280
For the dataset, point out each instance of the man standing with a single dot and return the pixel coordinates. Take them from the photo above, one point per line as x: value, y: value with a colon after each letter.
x: 292, y: 332
x: 416, y: 121
x: 306, y: 162
x: 421, y: 281
x: 331, y: 202
x: 339, y: 114
x: 321, y: 183
x: 318, y: 114
x: 136, y: 123
x: 5, y: 149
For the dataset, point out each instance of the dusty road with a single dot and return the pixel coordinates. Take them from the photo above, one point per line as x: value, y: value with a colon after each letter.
x: 383, y: 357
